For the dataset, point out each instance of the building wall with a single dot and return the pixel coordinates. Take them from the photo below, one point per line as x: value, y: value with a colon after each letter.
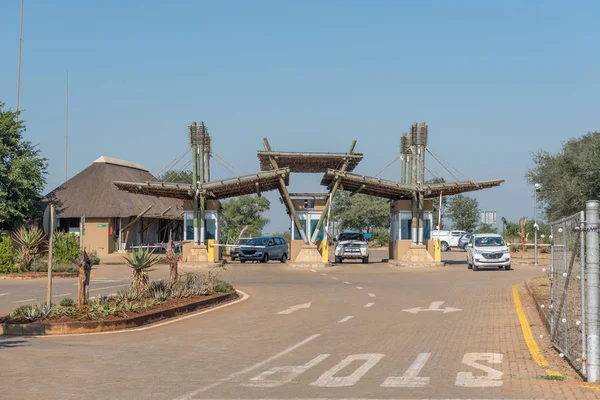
x: 95, y: 235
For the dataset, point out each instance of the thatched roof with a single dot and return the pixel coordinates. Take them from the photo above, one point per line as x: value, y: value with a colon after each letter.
x: 222, y: 189
x: 308, y: 162
x: 395, y: 191
x: 91, y: 193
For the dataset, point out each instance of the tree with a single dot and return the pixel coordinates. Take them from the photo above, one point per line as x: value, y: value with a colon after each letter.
x: 177, y: 177
x: 464, y: 212
x: 569, y: 178
x: 286, y: 235
x: 241, y: 212
x: 22, y: 173
x: 486, y: 228
x: 361, y: 212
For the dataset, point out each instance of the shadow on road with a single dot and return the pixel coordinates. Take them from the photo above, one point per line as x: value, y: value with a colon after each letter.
x: 8, y: 343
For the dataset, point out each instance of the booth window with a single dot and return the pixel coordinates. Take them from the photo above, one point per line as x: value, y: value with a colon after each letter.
x: 406, y: 229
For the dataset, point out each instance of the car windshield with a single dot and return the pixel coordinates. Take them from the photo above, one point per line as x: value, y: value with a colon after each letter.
x: 488, y: 241
x: 262, y: 241
x: 243, y: 241
x: 351, y: 236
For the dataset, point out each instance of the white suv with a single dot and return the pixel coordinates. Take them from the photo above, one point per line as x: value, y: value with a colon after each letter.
x: 487, y: 250
x: 351, y: 245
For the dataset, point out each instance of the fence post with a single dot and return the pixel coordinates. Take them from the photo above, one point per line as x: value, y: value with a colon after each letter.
x: 551, y: 280
x: 582, y: 280
x: 593, y: 280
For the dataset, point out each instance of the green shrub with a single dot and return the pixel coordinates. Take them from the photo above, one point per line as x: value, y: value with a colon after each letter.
x: 381, y: 237
x: 43, y: 267
x: 222, y: 286
x: 31, y: 312
x: 8, y: 256
x: 65, y: 247
x: 67, y: 302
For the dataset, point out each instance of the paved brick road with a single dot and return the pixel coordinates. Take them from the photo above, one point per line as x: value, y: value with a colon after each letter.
x: 354, y: 341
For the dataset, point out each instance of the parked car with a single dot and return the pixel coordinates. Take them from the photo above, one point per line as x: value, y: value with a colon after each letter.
x: 448, y: 239
x: 487, y: 250
x: 235, y: 251
x: 351, y: 245
x: 267, y: 248
x: 464, y: 240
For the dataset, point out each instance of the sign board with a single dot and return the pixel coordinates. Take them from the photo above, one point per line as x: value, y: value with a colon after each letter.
x: 46, y: 221
x: 102, y: 225
x: 487, y: 217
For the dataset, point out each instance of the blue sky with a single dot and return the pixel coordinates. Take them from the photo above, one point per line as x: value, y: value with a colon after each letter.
x: 495, y: 81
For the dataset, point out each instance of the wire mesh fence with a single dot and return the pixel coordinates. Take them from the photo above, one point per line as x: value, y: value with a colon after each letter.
x: 567, y: 290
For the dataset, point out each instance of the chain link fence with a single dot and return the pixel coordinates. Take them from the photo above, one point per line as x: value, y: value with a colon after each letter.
x: 567, y: 289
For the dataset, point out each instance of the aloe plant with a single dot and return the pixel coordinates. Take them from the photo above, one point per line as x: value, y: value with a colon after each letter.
x: 140, y: 261
x: 29, y: 241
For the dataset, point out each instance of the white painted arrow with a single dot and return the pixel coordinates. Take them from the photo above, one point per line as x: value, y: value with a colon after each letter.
x: 291, y: 309
x: 435, y: 306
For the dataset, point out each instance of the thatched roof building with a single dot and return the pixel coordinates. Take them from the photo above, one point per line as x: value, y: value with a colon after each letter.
x: 113, y: 218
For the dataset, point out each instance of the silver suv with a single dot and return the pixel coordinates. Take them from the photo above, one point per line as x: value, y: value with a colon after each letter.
x: 263, y: 249
x: 487, y: 250
x: 351, y: 245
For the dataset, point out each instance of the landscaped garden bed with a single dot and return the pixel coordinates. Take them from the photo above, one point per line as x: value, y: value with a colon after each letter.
x: 141, y: 303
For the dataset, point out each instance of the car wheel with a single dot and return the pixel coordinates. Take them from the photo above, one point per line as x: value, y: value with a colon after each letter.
x: 365, y: 260
x: 445, y: 246
x: 265, y: 258
x: 507, y: 268
x: 338, y: 260
x: 283, y: 258
x: 242, y: 261
x: 475, y: 267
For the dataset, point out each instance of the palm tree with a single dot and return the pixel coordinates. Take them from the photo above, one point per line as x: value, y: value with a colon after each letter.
x: 140, y: 261
x: 29, y: 241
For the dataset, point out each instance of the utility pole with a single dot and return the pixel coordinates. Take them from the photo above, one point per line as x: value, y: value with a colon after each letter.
x: 201, y: 175
x: 193, y: 131
x: 537, y: 188
x: 422, y: 146
x: 67, y: 135
x: 403, y: 157
x: 19, y: 67
x: 414, y: 165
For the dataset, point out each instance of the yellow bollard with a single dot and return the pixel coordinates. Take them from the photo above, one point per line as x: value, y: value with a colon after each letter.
x: 325, y: 251
x: 437, y: 251
x: 211, y: 250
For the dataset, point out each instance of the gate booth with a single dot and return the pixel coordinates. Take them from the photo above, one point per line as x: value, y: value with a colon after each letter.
x: 401, y: 231
x: 212, y: 220
x: 309, y: 211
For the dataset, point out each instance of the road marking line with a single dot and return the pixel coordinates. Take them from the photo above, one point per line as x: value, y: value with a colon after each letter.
x: 291, y: 309
x: 324, y: 274
x: 3, y: 294
x: 333, y: 277
x: 369, y: 305
x: 411, y: 378
x: 346, y: 282
x: 60, y: 295
x: 313, y: 270
x: 359, y: 288
x: 348, y: 318
x: 22, y: 301
x: 157, y: 325
x: 228, y: 378
x: 109, y: 287
x: 533, y: 347
x: 329, y: 378
x: 372, y: 295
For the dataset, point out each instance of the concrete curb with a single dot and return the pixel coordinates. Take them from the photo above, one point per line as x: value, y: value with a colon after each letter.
x: 43, y: 275
x: 402, y: 264
x: 82, y: 327
x: 538, y: 306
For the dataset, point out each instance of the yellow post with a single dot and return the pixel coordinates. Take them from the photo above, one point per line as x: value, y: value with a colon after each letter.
x: 325, y: 251
x: 211, y: 250
x: 437, y: 251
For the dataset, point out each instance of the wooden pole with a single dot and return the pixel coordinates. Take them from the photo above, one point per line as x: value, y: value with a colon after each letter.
x: 332, y: 194
x: 201, y: 176
x: 51, y: 235
x: 19, y: 66
x: 195, y: 177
